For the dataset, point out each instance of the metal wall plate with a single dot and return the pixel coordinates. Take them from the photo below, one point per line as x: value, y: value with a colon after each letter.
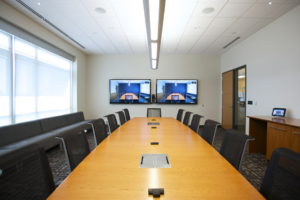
x: 155, y: 161
x: 153, y: 123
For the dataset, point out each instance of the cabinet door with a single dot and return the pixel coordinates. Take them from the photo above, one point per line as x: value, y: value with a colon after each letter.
x: 278, y: 136
x: 295, y: 139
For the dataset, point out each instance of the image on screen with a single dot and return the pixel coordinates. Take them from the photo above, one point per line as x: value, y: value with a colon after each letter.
x: 278, y: 112
x: 176, y: 91
x: 130, y: 91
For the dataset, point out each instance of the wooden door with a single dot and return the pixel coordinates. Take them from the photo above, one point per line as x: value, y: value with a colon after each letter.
x: 295, y: 140
x: 227, y: 100
x: 277, y: 136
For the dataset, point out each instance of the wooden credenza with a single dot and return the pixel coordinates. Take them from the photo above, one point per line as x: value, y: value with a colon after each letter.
x: 273, y: 132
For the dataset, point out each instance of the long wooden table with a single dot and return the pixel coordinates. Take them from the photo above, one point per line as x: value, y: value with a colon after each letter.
x: 198, y: 171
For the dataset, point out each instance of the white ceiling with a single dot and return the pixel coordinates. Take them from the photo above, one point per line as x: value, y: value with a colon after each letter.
x: 186, y: 30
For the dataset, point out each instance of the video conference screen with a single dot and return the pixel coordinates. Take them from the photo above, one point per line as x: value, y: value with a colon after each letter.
x: 130, y: 91
x: 177, y: 91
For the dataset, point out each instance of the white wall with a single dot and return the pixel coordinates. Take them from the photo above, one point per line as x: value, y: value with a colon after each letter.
x: 272, y: 56
x: 79, y: 67
x: 206, y: 69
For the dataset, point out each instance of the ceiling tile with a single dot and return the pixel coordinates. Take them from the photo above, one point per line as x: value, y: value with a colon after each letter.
x: 176, y: 25
x: 202, y: 44
x: 262, y: 23
x: 220, y: 23
x: 212, y: 1
x: 110, y: 26
x: 234, y: 9
x: 133, y: 26
x: 73, y: 10
x: 169, y: 44
x: 179, y: 9
x: 105, y: 4
x: 47, y: 10
x: 138, y: 45
x: 242, y: 1
x: 200, y: 6
x: 128, y: 9
x: 88, y: 26
x: 218, y: 45
x: 233, y: 32
x: 186, y: 44
x: 121, y: 44
x: 42, y: 2
x: 281, y: 10
x: 105, y: 44
x: 273, y: 1
x: 293, y: 1
x: 244, y: 23
x: 260, y: 10
x: 62, y: 23
x: 197, y: 26
x: 214, y: 32
x: 64, y: 1
x: 75, y: 32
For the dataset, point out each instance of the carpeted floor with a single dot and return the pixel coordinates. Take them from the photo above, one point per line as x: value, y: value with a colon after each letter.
x: 253, y: 165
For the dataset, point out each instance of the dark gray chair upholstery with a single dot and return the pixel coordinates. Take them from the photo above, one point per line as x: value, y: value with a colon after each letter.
x: 153, y: 112
x: 209, y: 131
x: 195, y: 123
x: 25, y: 174
x: 186, y: 118
x: 112, y: 122
x: 179, y: 115
x: 99, y: 130
x: 126, y: 111
x: 76, y: 147
x: 282, y: 177
x: 121, y: 117
x: 233, y: 147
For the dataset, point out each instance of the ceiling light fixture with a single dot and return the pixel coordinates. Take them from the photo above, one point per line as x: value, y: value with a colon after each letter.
x: 270, y: 3
x: 208, y: 10
x: 154, y: 17
x: 39, y: 4
x: 100, y: 10
x: 242, y: 76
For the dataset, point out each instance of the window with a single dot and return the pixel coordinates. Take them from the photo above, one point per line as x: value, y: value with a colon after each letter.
x: 41, y: 83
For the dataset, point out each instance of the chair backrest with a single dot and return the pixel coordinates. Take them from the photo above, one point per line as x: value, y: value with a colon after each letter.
x: 282, y: 177
x: 126, y: 111
x: 233, y: 147
x: 76, y: 147
x: 25, y: 174
x: 153, y: 112
x: 209, y: 131
x: 186, y: 118
x: 112, y: 122
x: 99, y: 130
x: 179, y: 115
x: 195, y: 123
x: 121, y: 117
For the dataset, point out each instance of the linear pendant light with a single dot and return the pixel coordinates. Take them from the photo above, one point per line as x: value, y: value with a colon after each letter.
x: 154, y: 16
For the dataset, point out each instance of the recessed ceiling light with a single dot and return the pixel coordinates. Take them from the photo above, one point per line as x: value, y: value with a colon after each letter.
x: 39, y: 4
x: 100, y: 10
x: 111, y: 27
x: 208, y: 10
x: 270, y: 3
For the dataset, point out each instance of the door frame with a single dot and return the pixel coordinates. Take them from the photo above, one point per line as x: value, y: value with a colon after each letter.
x: 234, y: 91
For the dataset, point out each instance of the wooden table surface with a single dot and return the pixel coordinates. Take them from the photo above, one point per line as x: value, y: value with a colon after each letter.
x: 134, y: 97
x: 278, y: 120
x: 180, y: 96
x: 111, y: 171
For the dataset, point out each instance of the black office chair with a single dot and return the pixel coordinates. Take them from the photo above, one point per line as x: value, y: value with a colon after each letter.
x: 186, y: 118
x: 25, y: 174
x: 195, y: 123
x: 209, y: 131
x: 76, y: 148
x: 112, y: 122
x: 282, y: 177
x: 179, y: 115
x: 121, y: 117
x: 233, y: 147
x: 99, y: 130
x: 153, y: 112
x: 126, y: 111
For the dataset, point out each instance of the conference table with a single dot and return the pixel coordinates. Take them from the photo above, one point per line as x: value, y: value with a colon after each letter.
x: 175, y: 94
x: 134, y: 97
x: 198, y: 171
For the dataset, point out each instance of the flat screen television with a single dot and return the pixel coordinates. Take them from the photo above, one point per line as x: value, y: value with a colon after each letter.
x: 176, y: 91
x: 135, y: 91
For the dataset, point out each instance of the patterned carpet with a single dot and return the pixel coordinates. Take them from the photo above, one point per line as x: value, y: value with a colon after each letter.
x: 253, y: 165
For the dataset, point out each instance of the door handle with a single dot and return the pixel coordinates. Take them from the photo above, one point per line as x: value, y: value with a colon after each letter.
x: 230, y: 106
x: 297, y: 133
x: 278, y: 128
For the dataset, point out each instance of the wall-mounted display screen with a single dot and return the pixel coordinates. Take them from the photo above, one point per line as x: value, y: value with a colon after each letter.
x: 177, y: 91
x: 130, y: 91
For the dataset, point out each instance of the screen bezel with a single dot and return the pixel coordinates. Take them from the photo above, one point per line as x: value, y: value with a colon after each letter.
x: 178, y: 80
x: 128, y: 80
x: 279, y: 109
